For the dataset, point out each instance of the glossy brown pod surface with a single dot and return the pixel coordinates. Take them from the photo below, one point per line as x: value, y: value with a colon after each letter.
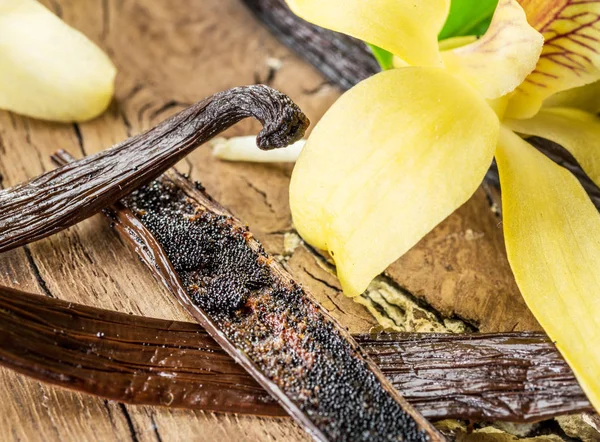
x: 137, y: 360
x: 343, y: 60
x: 123, y: 357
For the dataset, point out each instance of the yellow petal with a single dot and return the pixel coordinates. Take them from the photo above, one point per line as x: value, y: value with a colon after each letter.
x: 552, y: 235
x: 49, y: 70
x: 456, y: 42
x: 586, y: 98
x: 571, y: 54
x: 391, y: 159
x: 500, y: 60
x: 408, y: 29
x: 577, y: 131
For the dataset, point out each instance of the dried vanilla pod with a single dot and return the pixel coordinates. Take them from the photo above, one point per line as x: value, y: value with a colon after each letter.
x: 342, y: 59
x: 62, y: 197
x: 122, y: 357
x: 516, y: 377
x: 263, y: 319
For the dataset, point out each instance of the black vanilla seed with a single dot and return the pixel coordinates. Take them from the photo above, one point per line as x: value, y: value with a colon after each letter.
x: 271, y: 320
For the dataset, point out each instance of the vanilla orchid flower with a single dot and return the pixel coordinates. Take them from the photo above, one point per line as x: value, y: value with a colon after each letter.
x: 400, y: 151
x: 49, y: 70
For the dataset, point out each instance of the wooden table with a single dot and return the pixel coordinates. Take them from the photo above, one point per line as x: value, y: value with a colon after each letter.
x: 170, y: 54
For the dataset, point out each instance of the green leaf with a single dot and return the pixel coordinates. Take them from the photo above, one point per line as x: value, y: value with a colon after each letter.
x: 383, y: 57
x: 468, y: 17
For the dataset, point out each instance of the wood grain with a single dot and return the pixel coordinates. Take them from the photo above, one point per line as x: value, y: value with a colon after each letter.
x: 169, y: 55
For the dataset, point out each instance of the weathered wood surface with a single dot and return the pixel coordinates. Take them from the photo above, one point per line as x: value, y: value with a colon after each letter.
x: 170, y: 54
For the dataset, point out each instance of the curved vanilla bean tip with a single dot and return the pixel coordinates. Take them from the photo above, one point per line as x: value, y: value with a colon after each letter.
x: 64, y: 196
x: 283, y: 122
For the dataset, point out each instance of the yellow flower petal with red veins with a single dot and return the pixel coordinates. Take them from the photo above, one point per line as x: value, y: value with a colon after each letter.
x: 577, y: 131
x: 552, y: 233
x: 406, y: 28
x: 49, y: 70
x: 586, y: 98
x: 500, y: 60
x: 571, y: 53
x: 391, y: 159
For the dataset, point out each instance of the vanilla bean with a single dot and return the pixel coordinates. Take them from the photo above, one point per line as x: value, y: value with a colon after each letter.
x: 518, y: 377
x: 122, y: 357
x: 561, y: 156
x: 261, y: 317
x: 71, y: 193
x: 514, y: 377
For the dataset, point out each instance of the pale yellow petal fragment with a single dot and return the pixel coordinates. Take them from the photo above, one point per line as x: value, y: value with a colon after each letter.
x: 244, y: 149
x: 399, y: 63
x: 577, y: 131
x: 500, y: 60
x: 571, y: 53
x: 586, y: 98
x: 406, y: 28
x: 49, y: 70
x: 552, y: 233
x: 391, y: 159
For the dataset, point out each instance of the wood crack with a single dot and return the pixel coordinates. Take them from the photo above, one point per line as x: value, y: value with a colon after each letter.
x: 132, y: 431
x: 36, y: 272
x: 57, y: 8
x: 171, y: 104
x: 190, y: 166
x: 126, y: 122
x: 79, y: 137
x: 269, y: 79
x: 322, y: 281
x: 262, y: 193
x: 317, y: 89
x: 155, y: 428
x: 105, y: 19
